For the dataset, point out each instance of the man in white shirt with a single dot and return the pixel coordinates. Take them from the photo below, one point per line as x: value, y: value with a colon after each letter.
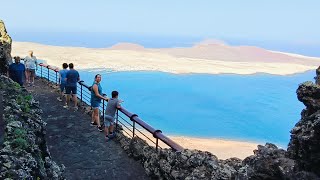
x: 31, y: 66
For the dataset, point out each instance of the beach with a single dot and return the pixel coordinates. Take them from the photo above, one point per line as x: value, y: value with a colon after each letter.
x: 222, y: 148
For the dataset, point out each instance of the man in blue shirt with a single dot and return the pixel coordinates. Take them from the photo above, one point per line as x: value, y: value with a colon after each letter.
x: 17, y: 71
x: 72, y: 78
x: 62, y: 79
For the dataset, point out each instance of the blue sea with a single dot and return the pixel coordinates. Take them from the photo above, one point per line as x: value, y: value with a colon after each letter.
x: 259, y: 108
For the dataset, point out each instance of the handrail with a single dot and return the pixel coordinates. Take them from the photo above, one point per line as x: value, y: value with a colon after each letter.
x: 133, y: 117
x: 156, y: 133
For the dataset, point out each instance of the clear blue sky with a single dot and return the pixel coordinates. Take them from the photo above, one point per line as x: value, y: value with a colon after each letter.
x: 286, y: 20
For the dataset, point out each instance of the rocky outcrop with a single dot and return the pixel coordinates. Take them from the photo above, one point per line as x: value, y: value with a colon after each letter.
x: 24, y: 154
x: 5, y: 49
x: 304, y: 144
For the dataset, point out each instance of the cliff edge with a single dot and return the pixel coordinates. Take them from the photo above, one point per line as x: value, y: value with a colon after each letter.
x: 5, y: 48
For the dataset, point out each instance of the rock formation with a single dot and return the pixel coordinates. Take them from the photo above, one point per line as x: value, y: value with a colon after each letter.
x: 304, y: 144
x: 5, y: 49
x: 24, y: 153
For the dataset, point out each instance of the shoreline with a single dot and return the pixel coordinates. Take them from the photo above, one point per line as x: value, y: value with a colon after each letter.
x: 162, y: 61
x: 222, y: 148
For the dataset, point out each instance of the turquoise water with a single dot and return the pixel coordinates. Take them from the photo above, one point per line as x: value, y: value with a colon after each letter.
x: 259, y: 107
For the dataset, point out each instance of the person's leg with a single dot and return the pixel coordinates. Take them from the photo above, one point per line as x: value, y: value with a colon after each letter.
x: 111, y: 129
x: 68, y: 91
x: 75, y: 99
x: 95, y: 116
x: 27, y: 78
x: 32, y: 76
x: 106, y: 128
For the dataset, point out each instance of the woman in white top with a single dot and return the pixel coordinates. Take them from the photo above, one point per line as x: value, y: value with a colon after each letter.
x: 31, y: 66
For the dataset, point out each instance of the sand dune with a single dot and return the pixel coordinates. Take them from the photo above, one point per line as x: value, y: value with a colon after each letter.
x: 207, y: 58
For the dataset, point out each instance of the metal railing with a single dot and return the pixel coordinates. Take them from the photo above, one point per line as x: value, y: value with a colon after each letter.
x: 134, y: 126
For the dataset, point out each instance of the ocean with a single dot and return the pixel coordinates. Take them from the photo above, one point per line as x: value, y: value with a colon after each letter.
x: 259, y: 108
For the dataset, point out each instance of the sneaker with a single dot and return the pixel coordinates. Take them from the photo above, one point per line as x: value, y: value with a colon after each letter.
x: 112, y: 135
x: 59, y: 99
x: 106, y: 138
x: 93, y: 124
x: 66, y: 106
x: 100, y: 128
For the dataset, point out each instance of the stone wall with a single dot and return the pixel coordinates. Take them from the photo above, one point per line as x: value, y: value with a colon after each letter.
x: 24, y: 153
x: 5, y: 49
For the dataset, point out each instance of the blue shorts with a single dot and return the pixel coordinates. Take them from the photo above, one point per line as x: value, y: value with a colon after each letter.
x: 62, y: 87
x: 95, y: 104
x: 108, y: 120
x: 71, y: 89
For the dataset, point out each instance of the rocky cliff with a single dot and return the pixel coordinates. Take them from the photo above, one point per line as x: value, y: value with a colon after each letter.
x: 24, y: 153
x: 5, y: 48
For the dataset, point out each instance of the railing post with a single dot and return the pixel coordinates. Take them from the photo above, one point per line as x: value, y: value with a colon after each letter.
x: 41, y: 70
x: 48, y: 73
x: 133, y: 128
x: 81, y: 92
x: 103, y: 106
x: 117, y: 119
x: 157, y: 144
x: 56, y: 77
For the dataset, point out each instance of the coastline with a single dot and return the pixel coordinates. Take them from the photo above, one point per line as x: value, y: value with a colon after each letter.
x: 156, y: 60
x: 222, y: 148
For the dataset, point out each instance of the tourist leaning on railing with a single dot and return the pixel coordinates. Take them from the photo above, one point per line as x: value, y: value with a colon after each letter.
x: 96, y: 96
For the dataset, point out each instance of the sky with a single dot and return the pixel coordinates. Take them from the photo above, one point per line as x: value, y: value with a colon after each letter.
x: 295, y: 21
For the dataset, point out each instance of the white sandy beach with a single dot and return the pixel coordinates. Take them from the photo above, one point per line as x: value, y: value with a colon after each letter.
x: 210, y: 59
x: 202, y: 58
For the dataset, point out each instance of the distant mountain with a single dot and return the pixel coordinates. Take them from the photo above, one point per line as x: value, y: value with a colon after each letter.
x: 218, y: 50
x: 127, y: 46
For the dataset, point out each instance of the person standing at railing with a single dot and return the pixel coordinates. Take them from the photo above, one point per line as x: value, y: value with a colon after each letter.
x: 62, y: 80
x: 31, y: 65
x: 17, y: 71
x: 72, y: 78
x: 112, y: 106
x: 96, y: 96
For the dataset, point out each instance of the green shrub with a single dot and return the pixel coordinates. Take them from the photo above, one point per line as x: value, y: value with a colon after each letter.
x: 20, y: 133
x: 19, y: 143
x: 28, y: 97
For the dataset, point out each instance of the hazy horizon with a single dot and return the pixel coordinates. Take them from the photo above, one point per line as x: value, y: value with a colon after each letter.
x: 104, y: 40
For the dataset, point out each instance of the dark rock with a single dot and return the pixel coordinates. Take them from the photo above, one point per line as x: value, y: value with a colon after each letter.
x: 5, y: 49
x: 24, y: 154
x: 304, y: 145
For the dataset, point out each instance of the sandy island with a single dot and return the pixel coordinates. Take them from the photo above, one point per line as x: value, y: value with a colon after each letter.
x: 201, y: 58
x: 210, y: 58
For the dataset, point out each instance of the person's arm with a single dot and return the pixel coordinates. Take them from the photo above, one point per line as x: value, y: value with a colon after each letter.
x: 36, y: 62
x: 118, y: 104
x: 96, y: 92
x: 66, y: 79
x: 78, y: 77
x: 25, y: 72
x: 60, y: 77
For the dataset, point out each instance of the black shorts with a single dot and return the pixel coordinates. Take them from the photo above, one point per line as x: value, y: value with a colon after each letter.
x: 71, y: 89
